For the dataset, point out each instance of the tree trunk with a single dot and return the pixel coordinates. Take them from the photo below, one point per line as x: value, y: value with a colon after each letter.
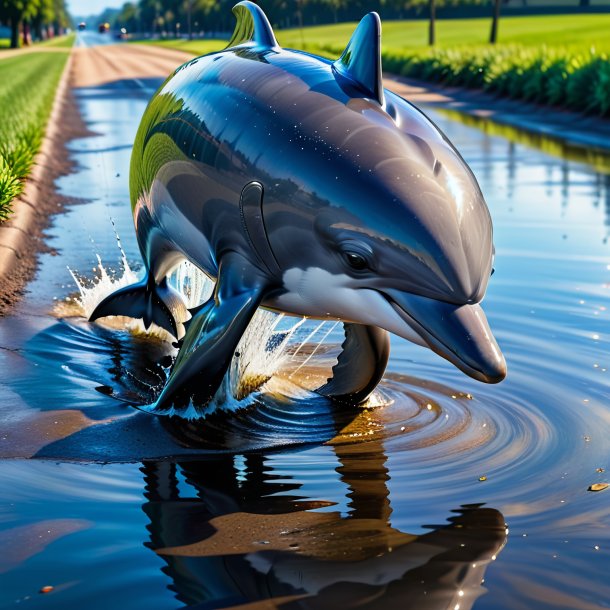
x: 25, y: 33
x: 189, y: 18
x: 493, y: 37
x: 432, y: 25
x: 38, y: 30
x: 14, y: 33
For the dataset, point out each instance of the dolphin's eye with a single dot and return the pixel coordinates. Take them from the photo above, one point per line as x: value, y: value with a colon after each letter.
x: 355, y: 260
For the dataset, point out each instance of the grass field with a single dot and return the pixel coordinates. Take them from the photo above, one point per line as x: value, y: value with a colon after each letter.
x: 27, y: 91
x: 60, y: 41
x: 559, y: 60
x: 575, y: 32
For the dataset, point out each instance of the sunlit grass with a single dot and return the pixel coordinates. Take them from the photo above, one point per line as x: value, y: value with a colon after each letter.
x: 196, y: 47
x: 27, y: 91
x: 60, y: 41
x: 572, y: 32
x: 575, y: 31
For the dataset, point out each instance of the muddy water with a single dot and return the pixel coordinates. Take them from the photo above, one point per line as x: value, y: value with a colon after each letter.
x: 403, y: 504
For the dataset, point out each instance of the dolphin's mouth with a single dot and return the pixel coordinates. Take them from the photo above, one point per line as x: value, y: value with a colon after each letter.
x: 458, y: 333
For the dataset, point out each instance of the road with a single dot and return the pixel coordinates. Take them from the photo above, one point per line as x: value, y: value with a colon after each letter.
x: 98, y: 60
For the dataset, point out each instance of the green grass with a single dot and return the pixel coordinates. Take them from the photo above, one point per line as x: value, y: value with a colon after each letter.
x: 27, y: 91
x: 196, y: 47
x: 559, y: 60
x: 61, y: 41
x: 573, y: 32
x: 554, y: 30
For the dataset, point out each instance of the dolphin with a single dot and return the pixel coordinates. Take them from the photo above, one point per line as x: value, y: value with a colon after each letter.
x: 301, y: 185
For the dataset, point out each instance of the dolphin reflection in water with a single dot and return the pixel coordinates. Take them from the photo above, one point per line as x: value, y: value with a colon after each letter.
x: 302, y: 186
x: 247, y: 536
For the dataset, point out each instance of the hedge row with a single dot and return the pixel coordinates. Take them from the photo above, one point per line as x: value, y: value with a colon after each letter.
x: 552, y: 76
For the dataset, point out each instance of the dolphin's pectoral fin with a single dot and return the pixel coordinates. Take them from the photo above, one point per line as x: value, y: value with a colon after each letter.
x: 360, y: 365
x: 158, y: 303
x: 211, y: 339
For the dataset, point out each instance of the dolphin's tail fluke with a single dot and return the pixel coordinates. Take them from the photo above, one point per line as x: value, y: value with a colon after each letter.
x: 154, y: 303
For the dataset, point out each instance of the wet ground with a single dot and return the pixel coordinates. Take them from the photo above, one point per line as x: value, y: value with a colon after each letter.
x: 403, y: 505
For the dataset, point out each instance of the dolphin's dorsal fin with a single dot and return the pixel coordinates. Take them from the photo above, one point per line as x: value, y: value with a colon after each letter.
x: 252, y: 26
x: 361, y: 60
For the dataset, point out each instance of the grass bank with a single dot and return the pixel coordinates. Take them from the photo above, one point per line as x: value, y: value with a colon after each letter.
x: 60, y: 41
x: 558, y: 60
x: 27, y: 91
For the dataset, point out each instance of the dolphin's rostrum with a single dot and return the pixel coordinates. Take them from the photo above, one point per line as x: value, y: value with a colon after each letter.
x: 303, y: 186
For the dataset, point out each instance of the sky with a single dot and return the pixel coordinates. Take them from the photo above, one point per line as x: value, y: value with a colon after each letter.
x: 92, y: 7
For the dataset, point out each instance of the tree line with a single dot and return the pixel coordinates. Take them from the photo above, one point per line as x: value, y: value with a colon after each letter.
x: 194, y: 17
x: 34, y: 19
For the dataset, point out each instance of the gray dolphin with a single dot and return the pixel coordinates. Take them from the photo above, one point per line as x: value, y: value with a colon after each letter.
x: 301, y: 185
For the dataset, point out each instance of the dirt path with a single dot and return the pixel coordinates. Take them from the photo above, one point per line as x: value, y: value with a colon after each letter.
x: 105, y: 64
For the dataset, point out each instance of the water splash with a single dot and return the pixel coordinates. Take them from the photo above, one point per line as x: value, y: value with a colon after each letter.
x: 93, y: 291
x: 262, y: 352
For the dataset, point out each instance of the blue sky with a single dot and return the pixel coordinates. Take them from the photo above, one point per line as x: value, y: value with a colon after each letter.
x: 91, y: 7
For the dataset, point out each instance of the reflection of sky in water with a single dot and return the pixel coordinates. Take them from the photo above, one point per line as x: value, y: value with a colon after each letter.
x: 538, y: 437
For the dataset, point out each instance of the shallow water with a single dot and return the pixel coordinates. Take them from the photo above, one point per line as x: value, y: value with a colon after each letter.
x: 377, y: 508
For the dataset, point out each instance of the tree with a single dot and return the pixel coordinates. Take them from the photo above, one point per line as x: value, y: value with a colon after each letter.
x: 493, y: 36
x: 15, y: 12
x: 43, y: 17
x: 336, y: 6
x: 432, y: 24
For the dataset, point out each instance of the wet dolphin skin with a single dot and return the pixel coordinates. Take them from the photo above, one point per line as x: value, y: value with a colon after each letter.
x: 303, y: 186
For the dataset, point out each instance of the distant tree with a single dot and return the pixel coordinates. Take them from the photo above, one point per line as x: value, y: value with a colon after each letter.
x: 493, y: 36
x: 188, y: 5
x: 127, y: 17
x: 336, y: 6
x: 61, y: 17
x: 585, y: 3
x: 42, y: 18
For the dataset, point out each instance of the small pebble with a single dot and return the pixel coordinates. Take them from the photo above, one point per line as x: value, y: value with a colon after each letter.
x: 598, y: 487
x: 46, y: 589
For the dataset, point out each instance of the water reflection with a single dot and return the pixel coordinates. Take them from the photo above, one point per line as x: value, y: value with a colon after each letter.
x: 232, y: 531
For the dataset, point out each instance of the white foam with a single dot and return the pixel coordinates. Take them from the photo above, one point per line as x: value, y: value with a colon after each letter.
x: 262, y: 351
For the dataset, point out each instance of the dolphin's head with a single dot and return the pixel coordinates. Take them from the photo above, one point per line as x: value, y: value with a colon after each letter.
x: 405, y: 242
x: 417, y: 233
x: 397, y: 233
